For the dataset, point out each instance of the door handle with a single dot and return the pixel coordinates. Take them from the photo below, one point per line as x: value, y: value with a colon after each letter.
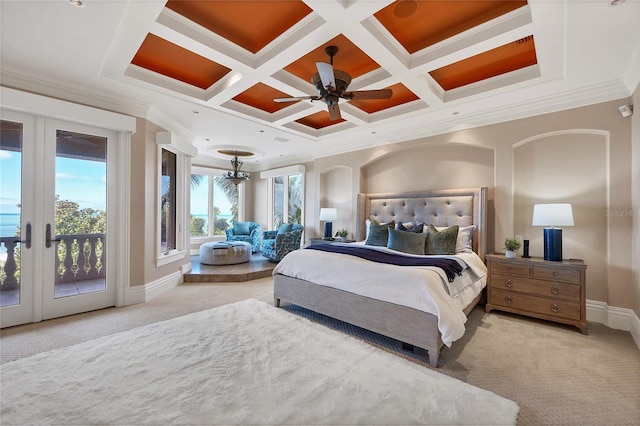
x: 27, y: 242
x: 48, y: 236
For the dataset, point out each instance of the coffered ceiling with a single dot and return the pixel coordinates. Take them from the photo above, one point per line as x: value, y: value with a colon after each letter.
x: 209, y: 70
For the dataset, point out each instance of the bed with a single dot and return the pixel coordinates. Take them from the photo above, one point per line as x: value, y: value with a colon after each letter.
x: 319, y: 281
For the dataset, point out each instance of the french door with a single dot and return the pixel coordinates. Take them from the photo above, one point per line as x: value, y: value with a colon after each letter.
x: 55, y: 236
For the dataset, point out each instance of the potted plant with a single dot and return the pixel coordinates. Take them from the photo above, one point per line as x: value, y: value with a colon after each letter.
x: 343, y: 233
x: 510, y: 246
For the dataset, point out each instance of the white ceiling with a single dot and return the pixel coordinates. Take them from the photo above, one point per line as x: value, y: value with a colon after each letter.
x: 588, y: 51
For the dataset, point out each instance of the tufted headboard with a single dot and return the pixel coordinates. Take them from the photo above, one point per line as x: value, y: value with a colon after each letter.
x: 447, y: 207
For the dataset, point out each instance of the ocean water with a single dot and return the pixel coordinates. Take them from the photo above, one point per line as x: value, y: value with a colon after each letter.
x: 9, y: 223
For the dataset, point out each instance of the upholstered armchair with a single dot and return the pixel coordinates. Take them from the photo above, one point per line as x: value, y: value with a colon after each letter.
x: 277, y: 244
x: 248, y: 232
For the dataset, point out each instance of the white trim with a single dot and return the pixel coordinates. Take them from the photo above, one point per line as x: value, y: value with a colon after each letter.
x: 283, y: 171
x: 172, y: 140
x: 614, y: 317
x: 123, y: 231
x: 170, y: 258
x: 38, y: 105
x: 635, y: 329
x: 144, y: 293
x: 185, y: 268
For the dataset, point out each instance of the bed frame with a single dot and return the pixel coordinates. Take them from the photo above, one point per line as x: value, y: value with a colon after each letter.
x: 461, y: 207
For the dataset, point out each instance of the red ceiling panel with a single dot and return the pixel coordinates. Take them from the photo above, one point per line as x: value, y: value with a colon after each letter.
x: 249, y: 24
x: 503, y: 59
x: 158, y: 55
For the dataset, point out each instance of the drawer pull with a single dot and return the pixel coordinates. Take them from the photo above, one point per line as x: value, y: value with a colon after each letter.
x: 555, y: 308
x: 508, y: 299
x: 508, y: 283
x: 555, y: 290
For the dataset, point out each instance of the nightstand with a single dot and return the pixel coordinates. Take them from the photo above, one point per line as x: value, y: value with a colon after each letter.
x: 315, y: 241
x: 535, y: 287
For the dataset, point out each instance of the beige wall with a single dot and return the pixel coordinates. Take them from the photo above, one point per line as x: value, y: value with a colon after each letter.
x: 582, y: 154
x: 144, y: 201
x: 566, y: 168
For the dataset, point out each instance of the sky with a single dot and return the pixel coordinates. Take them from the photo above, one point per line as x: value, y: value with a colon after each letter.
x: 200, y: 195
x: 81, y: 181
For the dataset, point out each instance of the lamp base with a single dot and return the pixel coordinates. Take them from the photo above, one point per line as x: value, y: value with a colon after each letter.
x: 328, y: 230
x: 553, y: 244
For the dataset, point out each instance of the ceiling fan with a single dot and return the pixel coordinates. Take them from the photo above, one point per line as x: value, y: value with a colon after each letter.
x: 332, y: 84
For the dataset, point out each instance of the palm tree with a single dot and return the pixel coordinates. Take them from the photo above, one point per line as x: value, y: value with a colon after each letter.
x: 231, y: 193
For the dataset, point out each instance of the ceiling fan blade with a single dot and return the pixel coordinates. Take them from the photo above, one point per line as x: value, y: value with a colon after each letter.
x: 299, y: 98
x: 334, y: 112
x: 369, y: 94
x: 326, y: 75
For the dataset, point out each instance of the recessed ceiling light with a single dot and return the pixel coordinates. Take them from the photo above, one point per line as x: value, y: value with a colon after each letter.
x: 77, y: 3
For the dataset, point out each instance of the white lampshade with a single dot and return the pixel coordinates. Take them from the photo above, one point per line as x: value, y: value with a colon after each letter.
x: 558, y: 214
x: 328, y: 214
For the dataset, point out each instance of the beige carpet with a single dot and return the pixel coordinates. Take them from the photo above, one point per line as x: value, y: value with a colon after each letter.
x: 245, y: 363
x: 555, y: 374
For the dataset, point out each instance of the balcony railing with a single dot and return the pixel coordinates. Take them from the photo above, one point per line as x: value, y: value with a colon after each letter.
x: 78, y: 257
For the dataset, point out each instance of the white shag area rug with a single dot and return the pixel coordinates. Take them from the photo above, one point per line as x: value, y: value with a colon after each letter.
x: 243, y: 363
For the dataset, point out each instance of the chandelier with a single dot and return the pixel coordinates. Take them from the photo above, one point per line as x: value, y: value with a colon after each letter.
x: 236, y: 176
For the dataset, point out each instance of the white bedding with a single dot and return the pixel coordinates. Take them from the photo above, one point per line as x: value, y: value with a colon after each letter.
x: 418, y: 287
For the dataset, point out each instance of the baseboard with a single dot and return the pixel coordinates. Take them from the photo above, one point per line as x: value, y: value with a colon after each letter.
x: 614, y: 317
x: 144, y: 293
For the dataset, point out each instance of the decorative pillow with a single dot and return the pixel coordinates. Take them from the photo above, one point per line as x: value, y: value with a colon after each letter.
x: 441, y: 242
x: 285, y: 227
x: 411, y: 227
x: 379, y: 234
x: 241, y: 228
x: 406, y: 242
x: 464, y: 243
x: 367, y: 224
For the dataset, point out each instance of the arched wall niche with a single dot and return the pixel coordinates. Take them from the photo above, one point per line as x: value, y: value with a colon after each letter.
x: 566, y: 167
x: 430, y: 166
x: 336, y: 190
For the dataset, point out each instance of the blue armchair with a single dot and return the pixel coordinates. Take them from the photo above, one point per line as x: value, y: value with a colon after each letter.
x: 248, y: 232
x: 277, y: 244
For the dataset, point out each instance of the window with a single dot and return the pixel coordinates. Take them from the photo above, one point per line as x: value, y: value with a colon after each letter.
x: 168, y: 202
x: 214, y: 203
x: 286, y: 195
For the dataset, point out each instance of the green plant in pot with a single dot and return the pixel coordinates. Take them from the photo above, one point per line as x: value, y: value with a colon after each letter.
x: 511, y: 245
x: 343, y: 233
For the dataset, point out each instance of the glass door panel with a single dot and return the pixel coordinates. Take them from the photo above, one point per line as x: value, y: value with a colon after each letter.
x: 278, y: 201
x: 295, y: 198
x: 80, y: 213
x: 10, y: 217
x: 77, y: 274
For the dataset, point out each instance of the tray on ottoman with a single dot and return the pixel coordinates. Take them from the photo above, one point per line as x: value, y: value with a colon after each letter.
x: 225, y: 253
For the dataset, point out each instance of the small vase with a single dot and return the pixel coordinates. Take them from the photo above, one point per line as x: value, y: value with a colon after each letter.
x: 510, y: 254
x: 343, y: 239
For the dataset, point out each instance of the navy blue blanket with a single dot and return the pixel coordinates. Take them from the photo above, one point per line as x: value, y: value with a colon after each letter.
x: 450, y: 266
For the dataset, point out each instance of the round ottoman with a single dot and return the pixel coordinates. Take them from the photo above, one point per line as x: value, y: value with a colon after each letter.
x: 225, y: 253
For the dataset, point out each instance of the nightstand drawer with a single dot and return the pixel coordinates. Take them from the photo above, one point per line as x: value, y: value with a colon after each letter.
x: 505, y: 268
x: 536, y: 287
x: 559, y: 274
x: 539, y: 305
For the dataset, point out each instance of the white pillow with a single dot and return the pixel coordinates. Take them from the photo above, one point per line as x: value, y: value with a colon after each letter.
x: 465, y: 237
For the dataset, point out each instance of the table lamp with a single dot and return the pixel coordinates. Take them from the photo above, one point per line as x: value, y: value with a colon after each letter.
x: 328, y: 215
x: 552, y: 216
